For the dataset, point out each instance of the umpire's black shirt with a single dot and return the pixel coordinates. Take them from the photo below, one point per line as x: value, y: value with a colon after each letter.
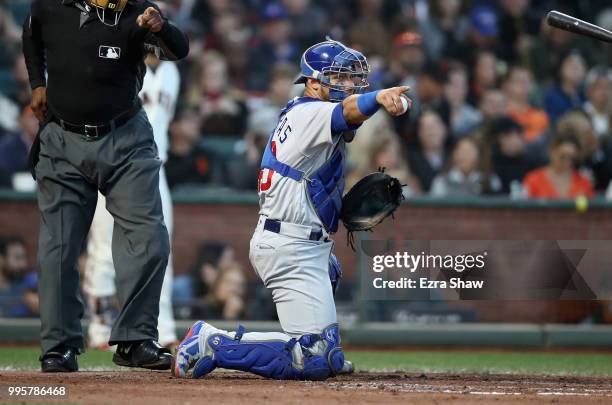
x: 94, y: 72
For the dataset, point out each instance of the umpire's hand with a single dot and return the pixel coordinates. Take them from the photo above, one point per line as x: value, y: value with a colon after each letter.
x: 39, y: 102
x: 150, y: 19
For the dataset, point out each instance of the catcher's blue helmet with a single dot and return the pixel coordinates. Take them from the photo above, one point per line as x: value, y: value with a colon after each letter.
x: 333, y: 63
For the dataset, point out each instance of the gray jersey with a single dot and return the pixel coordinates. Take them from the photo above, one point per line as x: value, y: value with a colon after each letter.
x: 304, y: 141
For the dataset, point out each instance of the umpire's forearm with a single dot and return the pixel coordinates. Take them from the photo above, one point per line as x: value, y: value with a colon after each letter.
x: 172, y: 41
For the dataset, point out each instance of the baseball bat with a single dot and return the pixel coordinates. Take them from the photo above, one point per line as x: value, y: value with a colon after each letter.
x: 569, y: 23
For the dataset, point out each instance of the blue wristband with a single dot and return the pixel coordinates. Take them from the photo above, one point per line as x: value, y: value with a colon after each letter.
x: 367, y: 104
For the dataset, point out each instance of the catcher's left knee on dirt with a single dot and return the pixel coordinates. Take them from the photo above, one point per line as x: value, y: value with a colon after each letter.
x: 311, y: 357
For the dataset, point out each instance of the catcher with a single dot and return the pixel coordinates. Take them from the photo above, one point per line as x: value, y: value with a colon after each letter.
x: 300, y: 191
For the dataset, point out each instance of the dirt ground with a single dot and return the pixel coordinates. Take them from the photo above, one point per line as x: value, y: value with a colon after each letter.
x: 220, y: 387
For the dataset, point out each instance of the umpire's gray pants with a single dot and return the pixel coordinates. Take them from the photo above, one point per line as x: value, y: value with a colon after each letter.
x: 124, y: 166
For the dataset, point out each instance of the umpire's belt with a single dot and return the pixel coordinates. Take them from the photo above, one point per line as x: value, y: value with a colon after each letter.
x: 96, y: 131
x: 292, y: 230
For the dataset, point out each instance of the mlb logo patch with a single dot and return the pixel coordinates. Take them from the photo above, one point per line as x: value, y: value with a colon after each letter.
x: 109, y: 52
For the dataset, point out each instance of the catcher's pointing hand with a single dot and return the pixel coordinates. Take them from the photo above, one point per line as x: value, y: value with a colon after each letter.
x: 150, y: 19
x: 390, y: 100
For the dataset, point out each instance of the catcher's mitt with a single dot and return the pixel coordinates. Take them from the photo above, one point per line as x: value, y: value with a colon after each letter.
x: 368, y: 202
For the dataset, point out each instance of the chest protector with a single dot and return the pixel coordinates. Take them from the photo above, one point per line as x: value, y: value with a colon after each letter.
x: 324, y: 186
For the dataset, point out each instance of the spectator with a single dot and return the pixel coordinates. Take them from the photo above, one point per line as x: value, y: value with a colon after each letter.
x: 485, y: 75
x: 567, y: 93
x: 273, y: 44
x: 368, y: 32
x: 229, y: 36
x: 278, y: 92
x: 19, y: 297
x: 463, y: 117
x: 445, y: 32
x: 428, y: 157
x: 559, y: 179
x: 484, y: 27
x: 188, y: 162
x: 599, y: 99
x: 493, y: 104
x: 221, y: 109
x: 594, y: 159
x: 10, y: 34
x: 517, y: 88
x: 14, y: 147
x: 428, y: 94
x: 556, y: 44
x: 309, y: 22
x: 385, y: 151
x: 465, y: 176
x: 227, y: 300
x: 243, y: 170
x: 406, y: 66
x: 518, y: 26
x: 430, y: 86
x: 509, y: 153
x: 213, y: 257
x: 406, y: 60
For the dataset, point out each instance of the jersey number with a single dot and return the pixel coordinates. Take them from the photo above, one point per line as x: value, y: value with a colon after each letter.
x: 283, y: 131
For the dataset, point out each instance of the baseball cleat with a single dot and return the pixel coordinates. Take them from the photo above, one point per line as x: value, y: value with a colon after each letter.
x: 147, y: 354
x: 194, y: 352
x: 60, y: 361
x: 187, y: 351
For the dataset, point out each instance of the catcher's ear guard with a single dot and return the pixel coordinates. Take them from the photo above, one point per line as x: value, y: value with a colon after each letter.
x: 369, y: 202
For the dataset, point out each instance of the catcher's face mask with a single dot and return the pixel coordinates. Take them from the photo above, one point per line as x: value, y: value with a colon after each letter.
x: 347, y: 74
x: 114, y: 8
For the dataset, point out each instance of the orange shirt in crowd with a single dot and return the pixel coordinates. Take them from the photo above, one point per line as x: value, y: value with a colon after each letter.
x: 533, y: 120
x: 538, y: 185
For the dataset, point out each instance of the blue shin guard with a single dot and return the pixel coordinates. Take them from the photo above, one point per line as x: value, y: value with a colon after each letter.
x: 321, y: 356
x: 272, y: 359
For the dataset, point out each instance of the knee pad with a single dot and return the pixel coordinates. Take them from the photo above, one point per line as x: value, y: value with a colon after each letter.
x: 323, y: 355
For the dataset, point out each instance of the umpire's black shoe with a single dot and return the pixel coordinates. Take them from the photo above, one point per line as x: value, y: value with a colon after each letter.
x: 145, y: 353
x: 62, y: 360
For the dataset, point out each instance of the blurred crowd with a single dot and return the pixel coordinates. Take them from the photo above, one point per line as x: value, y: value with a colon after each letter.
x: 503, y: 103
x: 214, y: 287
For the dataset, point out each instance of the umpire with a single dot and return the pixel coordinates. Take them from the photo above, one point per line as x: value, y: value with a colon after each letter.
x: 95, y: 136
